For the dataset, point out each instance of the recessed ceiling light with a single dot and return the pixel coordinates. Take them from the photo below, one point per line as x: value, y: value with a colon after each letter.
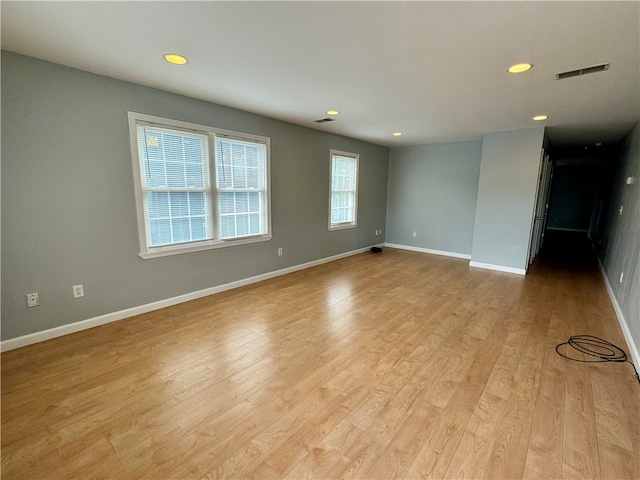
x: 519, y: 67
x: 333, y: 112
x: 540, y: 117
x: 175, y: 59
x: 397, y: 134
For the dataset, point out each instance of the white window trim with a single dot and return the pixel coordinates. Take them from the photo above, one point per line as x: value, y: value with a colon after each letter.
x: 354, y: 223
x: 197, y: 246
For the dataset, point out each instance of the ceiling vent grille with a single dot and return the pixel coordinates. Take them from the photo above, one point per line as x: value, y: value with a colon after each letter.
x: 325, y: 120
x: 583, y: 71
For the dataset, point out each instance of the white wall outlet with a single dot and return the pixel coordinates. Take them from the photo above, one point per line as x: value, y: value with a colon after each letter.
x: 78, y: 291
x: 280, y: 251
x: 630, y: 180
x: 415, y: 234
x: 621, y: 209
x: 621, y: 276
x: 33, y: 300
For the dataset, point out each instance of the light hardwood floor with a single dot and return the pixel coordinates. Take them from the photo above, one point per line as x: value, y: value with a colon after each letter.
x: 398, y: 365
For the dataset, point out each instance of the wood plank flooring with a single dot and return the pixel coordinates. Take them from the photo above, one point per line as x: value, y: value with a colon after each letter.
x: 396, y: 365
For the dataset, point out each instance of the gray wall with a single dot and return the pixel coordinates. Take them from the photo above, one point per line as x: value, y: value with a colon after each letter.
x: 68, y: 207
x: 620, y: 248
x: 506, y: 197
x: 432, y: 191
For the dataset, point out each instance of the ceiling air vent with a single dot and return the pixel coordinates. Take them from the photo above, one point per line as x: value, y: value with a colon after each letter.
x: 325, y: 120
x: 583, y: 71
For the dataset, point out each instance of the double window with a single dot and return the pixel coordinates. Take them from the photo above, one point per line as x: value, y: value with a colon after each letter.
x: 343, y: 201
x: 198, y: 187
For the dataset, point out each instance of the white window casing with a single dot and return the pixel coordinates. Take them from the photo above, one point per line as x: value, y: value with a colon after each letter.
x: 198, y: 187
x: 343, y: 194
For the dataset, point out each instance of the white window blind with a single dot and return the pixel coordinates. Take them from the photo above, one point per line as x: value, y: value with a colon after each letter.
x: 198, y: 187
x: 344, y: 190
x: 175, y: 185
x: 241, y: 187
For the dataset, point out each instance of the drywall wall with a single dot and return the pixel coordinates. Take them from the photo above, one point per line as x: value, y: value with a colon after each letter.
x: 432, y: 191
x: 619, y: 250
x: 68, y: 206
x: 506, y: 198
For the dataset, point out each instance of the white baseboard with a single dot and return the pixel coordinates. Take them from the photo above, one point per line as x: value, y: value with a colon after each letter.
x: 633, y: 348
x: 428, y: 250
x: 37, y: 337
x: 499, y: 268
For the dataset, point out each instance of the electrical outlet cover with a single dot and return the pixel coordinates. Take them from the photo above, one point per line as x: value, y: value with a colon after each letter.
x: 33, y: 300
x: 78, y: 291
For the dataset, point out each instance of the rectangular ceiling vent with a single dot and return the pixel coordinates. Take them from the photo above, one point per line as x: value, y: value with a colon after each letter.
x: 325, y: 120
x: 583, y: 71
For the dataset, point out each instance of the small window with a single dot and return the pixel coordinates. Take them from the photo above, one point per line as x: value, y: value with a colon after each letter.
x: 198, y: 187
x: 343, y: 202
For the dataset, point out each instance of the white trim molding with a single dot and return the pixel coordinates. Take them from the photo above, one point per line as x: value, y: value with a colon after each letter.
x: 37, y: 337
x: 428, y: 250
x: 499, y: 268
x: 633, y: 348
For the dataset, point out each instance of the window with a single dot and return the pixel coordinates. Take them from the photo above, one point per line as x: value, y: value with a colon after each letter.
x: 198, y: 187
x: 343, y: 202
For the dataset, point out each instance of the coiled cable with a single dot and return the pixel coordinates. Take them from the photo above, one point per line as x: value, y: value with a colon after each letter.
x: 602, y: 350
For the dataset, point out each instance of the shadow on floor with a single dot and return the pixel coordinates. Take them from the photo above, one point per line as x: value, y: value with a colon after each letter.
x: 567, y: 249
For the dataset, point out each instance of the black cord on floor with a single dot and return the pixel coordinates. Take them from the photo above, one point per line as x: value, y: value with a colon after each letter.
x: 596, y: 347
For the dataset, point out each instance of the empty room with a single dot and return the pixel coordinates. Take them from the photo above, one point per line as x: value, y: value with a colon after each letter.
x: 339, y: 240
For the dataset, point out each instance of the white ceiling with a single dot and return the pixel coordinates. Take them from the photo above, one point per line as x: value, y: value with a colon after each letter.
x: 435, y: 71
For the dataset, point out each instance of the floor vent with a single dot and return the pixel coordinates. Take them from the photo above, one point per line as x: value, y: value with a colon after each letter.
x: 583, y: 71
x: 325, y: 120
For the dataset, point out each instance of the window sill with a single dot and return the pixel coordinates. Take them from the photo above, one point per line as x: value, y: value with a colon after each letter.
x: 342, y: 226
x: 201, y: 246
